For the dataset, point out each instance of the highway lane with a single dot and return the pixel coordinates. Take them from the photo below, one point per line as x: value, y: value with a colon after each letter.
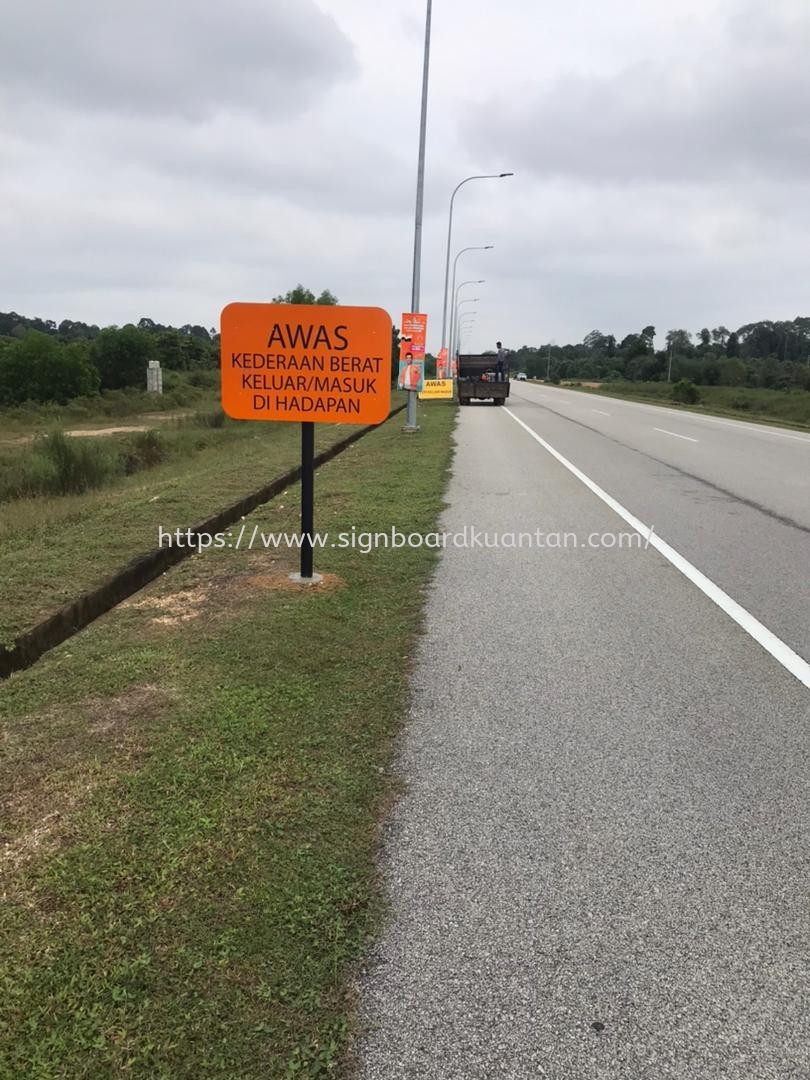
x: 732, y: 498
x: 599, y: 868
x: 767, y: 466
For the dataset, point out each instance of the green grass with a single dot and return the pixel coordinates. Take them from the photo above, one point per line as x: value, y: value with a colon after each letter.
x: 183, y: 391
x: 191, y: 795
x: 788, y: 408
x: 59, y: 464
x: 52, y: 549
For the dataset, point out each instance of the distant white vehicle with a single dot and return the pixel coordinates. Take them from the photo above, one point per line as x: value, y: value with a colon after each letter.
x: 521, y: 376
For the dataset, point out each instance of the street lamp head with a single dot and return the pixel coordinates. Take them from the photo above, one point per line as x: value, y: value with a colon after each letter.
x: 503, y: 174
x: 488, y: 247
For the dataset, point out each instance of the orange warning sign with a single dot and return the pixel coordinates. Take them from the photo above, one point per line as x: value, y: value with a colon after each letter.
x: 305, y: 362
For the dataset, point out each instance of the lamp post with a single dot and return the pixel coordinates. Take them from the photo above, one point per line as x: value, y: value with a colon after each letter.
x: 478, y: 247
x: 410, y: 422
x: 463, y: 335
x: 454, y: 331
x: 484, y: 176
x: 465, y: 325
x: 478, y: 281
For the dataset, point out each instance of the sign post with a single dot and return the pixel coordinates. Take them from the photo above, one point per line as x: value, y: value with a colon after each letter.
x: 307, y: 497
x: 307, y: 364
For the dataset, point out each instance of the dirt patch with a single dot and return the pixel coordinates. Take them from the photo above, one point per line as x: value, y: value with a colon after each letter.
x: 75, y: 749
x: 282, y: 582
x: 225, y: 594
x: 166, y: 415
x: 85, y: 433
x: 119, y: 713
x: 119, y: 429
x: 173, y: 609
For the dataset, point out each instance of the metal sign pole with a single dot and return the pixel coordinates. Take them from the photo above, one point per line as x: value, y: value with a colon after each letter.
x: 410, y: 423
x: 307, y: 496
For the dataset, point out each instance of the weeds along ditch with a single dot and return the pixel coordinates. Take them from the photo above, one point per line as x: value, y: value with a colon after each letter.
x: 72, y: 617
x: 55, y: 463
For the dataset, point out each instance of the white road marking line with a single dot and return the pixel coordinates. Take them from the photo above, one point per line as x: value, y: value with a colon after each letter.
x: 781, y: 652
x: 600, y: 412
x: 760, y: 429
x: 675, y: 435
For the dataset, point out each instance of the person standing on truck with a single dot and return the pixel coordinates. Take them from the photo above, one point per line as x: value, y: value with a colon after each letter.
x: 502, y: 362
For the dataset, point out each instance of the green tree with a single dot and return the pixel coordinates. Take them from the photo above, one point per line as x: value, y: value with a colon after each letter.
x: 168, y: 350
x: 595, y: 341
x: 680, y: 341
x: 633, y: 345
x: 302, y: 295
x: 122, y: 357
x: 733, y: 372
x: 39, y: 368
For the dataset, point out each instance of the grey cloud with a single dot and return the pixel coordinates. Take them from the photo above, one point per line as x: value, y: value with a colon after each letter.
x: 172, y: 57
x: 319, y: 168
x: 739, y: 111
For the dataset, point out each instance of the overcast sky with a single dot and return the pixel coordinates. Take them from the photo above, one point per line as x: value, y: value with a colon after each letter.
x: 164, y: 158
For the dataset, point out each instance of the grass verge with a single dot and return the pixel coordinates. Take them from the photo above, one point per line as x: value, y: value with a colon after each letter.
x: 182, y: 391
x: 60, y: 464
x: 191, y: 795
x: 53, y: 548
x: 780, y: 407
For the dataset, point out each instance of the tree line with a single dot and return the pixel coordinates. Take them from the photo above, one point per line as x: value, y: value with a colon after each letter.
x: 44, y: 362
x: 772, y: 355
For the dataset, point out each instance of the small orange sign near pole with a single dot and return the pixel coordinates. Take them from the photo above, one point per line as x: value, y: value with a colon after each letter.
x: 305, y: 362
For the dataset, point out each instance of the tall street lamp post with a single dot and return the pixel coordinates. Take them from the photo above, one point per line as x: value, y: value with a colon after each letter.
x: 410, y: 422
x: 467, y: 180
x: 453, y: 342
x: 480, y: 247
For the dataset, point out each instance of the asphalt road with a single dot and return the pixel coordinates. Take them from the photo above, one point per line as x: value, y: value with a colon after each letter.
x: 733, y: 498
x: 599, y: 868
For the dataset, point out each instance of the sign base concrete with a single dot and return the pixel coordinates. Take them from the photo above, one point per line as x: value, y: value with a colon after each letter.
x: 316, y: 579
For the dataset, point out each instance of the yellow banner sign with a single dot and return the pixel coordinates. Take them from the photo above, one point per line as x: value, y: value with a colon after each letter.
x: 436, y: 388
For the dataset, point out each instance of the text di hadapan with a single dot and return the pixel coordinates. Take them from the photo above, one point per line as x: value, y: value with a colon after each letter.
x: 308, y: 370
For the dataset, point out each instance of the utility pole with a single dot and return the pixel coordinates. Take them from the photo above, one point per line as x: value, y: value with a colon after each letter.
x: 410, y: 423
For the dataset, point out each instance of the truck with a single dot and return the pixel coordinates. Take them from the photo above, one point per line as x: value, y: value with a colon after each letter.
x: 478, y: 379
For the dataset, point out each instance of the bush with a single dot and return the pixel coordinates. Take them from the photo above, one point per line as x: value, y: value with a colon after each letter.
x: 122, y: 357
x: 685, y: 392
x: 204, y: 379
x: 146, y: 450
x: 39, y: 369
x: 25, y: 475
x: 214, y: 419
x: 78, y: 464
